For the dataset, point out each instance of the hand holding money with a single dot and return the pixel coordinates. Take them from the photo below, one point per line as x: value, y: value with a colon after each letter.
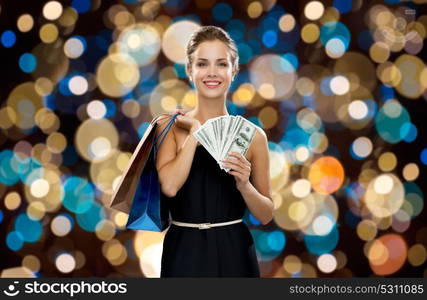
x: 240, y: 168
x: 225, y: 134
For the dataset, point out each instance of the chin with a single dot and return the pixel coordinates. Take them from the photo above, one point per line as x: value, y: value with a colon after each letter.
x: 215, y: 95
x: 212, y: 93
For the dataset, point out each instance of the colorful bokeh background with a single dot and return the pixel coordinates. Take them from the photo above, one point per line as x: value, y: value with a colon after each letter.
x: 339, y: 87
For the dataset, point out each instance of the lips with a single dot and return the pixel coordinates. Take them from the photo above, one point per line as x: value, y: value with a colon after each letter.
x: 212, y: 83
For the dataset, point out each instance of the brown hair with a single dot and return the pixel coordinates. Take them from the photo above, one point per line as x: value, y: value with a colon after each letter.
x: 211, y: 33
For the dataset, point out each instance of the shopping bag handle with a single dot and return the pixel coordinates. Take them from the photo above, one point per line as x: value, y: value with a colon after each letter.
x: 165, y: 130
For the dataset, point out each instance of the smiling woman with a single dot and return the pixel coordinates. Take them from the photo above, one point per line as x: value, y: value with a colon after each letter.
x: 210, y: 71
x: 212, y: 64
x: 207, y: 237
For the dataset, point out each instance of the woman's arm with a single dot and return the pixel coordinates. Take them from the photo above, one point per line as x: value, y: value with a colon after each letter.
x: 257, y: 191
x: 174, y: 166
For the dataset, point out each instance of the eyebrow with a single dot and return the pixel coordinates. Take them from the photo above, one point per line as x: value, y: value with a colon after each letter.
x: 207, y: 59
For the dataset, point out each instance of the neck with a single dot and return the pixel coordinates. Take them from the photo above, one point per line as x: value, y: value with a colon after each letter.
x: 209, y: 108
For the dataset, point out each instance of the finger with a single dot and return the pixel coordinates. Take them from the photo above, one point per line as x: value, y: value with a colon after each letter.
x: 234, y: 160
x: 234, y: 165
x: 181, y: 118
x: 239, y: 157
x: 243, y: 175
x: 179, y: 110
x: 236, y: 174
x: 234, y: 157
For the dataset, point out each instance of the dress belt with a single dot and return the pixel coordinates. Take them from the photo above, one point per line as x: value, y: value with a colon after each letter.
x: 205, y: 225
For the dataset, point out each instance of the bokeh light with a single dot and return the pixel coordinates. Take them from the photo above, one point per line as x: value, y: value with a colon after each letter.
x: 52, y: 10
x: 65, y: 263
x: 8, y: 38
x: 314, y: 10
x: 387, y: 254
x: 175, y: 40
x: 326, y: 175
x: 327, y: 263
x: 267, y: 74
x: 75, y: 46
x: 117, y: 74
x: 25, y: 23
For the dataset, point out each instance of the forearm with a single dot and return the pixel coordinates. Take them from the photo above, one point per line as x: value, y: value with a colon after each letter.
x: 173, y: 175
x: 260, y: 206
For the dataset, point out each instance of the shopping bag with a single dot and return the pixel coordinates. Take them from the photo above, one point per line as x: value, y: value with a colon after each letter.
x: 138, y: 192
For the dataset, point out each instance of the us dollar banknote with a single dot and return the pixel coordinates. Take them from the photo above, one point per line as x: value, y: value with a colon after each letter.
x: 225, y: 134
x: 242, y: 139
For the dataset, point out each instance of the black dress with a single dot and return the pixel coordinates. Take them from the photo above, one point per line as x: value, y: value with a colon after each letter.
x: 209, y: 195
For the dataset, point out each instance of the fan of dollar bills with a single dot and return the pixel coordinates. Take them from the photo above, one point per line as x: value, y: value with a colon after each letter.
x: 225, y: 134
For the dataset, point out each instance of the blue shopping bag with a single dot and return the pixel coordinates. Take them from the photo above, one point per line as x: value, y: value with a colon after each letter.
x: 138, y: 193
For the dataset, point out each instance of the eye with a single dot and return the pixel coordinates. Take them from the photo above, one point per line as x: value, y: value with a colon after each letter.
x: 223, y: 64
x: 200, y: 64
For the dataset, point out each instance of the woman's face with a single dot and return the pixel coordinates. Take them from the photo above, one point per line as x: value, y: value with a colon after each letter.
x: 212, y: 69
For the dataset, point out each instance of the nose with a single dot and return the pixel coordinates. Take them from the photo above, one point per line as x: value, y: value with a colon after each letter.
x: 212, y: 71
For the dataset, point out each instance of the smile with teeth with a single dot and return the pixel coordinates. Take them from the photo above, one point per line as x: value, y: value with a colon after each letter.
x: 212, y: 84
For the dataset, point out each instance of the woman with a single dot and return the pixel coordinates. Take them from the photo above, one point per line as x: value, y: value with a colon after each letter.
x: 194, y: 186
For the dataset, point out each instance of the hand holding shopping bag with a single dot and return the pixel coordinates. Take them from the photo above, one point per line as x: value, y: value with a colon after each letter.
x: 138, y: 192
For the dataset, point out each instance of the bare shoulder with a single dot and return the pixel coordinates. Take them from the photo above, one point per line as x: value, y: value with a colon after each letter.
x: 162, y: 121
x: 260, y: 133
x: 259, y: 143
